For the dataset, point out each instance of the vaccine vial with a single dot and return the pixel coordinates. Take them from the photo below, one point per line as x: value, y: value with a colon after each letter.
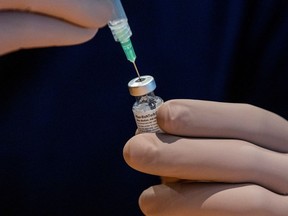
x: 146, y: 104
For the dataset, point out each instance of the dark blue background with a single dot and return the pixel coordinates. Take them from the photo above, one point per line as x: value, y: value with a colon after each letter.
x: 65, y: 113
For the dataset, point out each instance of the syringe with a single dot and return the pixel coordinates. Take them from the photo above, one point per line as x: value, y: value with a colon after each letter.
x: 121, y: 31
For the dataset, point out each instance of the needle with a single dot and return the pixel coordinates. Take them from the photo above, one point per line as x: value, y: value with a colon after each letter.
x: 137, y: 70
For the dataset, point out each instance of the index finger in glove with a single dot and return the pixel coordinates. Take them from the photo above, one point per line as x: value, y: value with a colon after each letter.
x: 27, y: 30
x: 31, y: 24
x: 195, y: 118
x: 193, y: 159
x: 211, y: 199
x: 86, y: 13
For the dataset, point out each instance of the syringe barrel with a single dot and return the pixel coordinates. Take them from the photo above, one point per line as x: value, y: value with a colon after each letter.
x: 118, y: 12
x: 119, y: 23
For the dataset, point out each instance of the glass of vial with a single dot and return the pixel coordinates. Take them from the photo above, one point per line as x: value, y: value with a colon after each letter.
x: 146, y: 104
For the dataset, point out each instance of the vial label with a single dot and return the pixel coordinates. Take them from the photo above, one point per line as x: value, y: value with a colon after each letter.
x: 146, y: 121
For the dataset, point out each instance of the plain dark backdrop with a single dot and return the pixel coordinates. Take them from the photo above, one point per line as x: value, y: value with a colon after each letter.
x: 65, y: 112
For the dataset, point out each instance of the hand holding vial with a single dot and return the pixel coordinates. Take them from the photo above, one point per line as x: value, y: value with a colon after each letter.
x: 214, y: 158
x: 225, y: 159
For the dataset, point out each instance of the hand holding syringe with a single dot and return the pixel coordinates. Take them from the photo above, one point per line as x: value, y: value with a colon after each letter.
x: 121, y: 31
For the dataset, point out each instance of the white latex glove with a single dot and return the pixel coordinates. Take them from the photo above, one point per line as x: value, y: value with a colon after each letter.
x: 237, y: 151
x: 42, y: 23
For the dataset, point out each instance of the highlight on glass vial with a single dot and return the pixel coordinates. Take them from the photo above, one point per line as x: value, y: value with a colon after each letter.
x: 146, y: 104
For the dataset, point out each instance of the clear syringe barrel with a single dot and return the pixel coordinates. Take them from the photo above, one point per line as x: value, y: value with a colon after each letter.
x: 120, y: 29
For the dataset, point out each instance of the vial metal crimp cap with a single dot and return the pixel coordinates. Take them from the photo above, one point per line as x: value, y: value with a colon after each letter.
x: 141, y: 86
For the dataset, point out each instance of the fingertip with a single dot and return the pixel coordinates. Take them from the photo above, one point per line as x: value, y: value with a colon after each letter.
x: 168, y: 115
x: 126, y: 152
x: 146, y: 202
x: 140, y: 151
x: 96, y: 15
x: 164, y: 115
x: 158, y: 201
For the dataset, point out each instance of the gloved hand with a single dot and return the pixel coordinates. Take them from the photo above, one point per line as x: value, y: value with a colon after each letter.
x: 33, y: 23
x: 215, y: 159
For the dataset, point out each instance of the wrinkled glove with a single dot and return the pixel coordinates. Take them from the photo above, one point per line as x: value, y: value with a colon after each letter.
x: 215, y: 159
x: 42, y: 23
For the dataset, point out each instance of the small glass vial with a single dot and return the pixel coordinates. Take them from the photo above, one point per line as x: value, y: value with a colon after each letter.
x: 146, y: 105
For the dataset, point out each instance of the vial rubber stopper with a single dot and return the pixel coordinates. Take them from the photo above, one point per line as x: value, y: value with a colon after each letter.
x: 141, y: 86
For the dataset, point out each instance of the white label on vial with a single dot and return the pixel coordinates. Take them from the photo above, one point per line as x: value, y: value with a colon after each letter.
x: 146, y: 121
